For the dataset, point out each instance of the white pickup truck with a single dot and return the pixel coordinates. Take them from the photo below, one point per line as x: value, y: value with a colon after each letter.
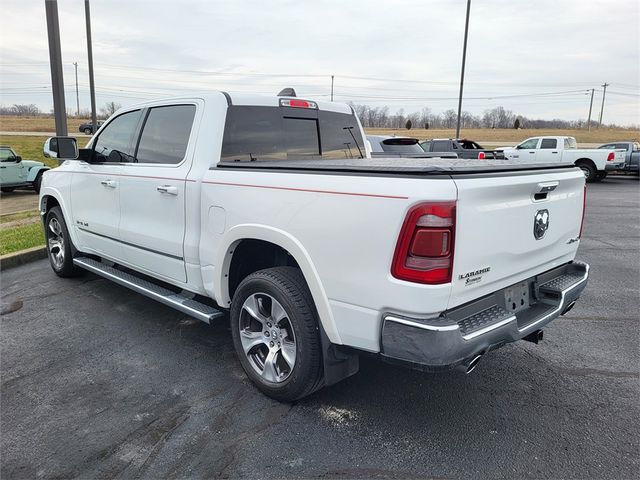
x: 594, y: 162
x: 270, y: 209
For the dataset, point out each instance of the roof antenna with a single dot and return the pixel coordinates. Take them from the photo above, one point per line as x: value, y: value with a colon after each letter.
x: 287, y: 92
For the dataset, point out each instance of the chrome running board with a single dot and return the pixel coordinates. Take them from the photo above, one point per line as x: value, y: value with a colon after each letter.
x: 179, y: 301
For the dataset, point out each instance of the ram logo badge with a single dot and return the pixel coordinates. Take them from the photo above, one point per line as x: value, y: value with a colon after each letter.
x: 540, y: 223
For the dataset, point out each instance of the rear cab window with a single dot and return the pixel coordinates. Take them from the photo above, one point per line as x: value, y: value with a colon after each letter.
x: 261, y: 133
x: 570, y: 143
x: 401, y: 145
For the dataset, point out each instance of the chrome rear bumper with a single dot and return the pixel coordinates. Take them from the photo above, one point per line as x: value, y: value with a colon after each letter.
x: 459, y: 335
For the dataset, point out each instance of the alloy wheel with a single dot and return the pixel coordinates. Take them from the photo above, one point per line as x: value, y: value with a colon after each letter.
x: 267, y: 337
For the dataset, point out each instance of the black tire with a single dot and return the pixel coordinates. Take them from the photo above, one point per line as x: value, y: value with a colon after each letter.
x: 37, y: 183
x: 600, y: 176
x: 589, y: 171
x: 7, y: 189
x: 62, y: 265
x: 288, y: 287
x: 87, y: 131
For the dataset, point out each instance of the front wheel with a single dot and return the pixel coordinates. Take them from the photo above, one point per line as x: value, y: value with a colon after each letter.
x: 275, y: 333
x: 59, y: 246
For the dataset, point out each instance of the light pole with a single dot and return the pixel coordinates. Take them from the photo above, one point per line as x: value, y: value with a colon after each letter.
x: 464, y: 58
x: 75, y: 64
x: 92, y: 90
x: 590, y: 107
x: 604, y: 92
x: 55, y: 59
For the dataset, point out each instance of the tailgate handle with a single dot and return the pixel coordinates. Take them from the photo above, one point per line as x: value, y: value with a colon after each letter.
x: 547, y: 187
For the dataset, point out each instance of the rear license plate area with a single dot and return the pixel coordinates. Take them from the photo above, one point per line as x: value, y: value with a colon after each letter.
x: 516, y: 297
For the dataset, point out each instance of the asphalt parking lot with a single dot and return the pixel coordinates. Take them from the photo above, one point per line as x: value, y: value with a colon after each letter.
x: 101, y: 382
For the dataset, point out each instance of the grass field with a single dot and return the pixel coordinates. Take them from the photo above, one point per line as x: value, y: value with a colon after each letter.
x: 487, y: 135
x: 21, y: 237
x: 498, y: 136
x: 9, y: 123
x: 30, y: 148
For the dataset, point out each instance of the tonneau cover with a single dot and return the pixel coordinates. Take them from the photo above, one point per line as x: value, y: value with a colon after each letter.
x: 397, y: 165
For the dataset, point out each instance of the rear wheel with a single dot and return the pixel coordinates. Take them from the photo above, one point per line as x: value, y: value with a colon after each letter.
x: 59, y: 245
x: 275, y: 333
x: 87, y: 131
x: 589, y: 171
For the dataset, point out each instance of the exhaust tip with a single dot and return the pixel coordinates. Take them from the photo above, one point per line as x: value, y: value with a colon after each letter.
x: 569, y: 307
x: 471, y: 366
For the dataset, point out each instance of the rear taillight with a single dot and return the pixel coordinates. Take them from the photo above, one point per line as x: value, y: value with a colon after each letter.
x: 424, y: 252
x: 584, y: 209
x: 481, y: 156
x: 611, y: 157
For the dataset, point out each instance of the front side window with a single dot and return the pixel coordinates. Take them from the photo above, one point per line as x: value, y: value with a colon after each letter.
x: 7, y: 155
x: 548, y: 143
x: 115, y: 143
x: 165, y: 134
x: 529, y: 144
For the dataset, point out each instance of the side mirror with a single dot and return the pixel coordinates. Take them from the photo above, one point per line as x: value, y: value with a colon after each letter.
x: 18, y: 158
x: 64, y: 148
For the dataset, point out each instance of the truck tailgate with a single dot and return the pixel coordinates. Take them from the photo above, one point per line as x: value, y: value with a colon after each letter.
x: 496, y: 244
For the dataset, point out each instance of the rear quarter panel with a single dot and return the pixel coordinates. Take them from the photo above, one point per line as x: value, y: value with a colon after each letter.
x: 345, y: 229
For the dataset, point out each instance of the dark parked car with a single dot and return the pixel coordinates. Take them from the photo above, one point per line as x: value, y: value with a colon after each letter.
x: 462, y: 147
x: 88, y: 127
x: 388, y: 146
x: 632, y: 155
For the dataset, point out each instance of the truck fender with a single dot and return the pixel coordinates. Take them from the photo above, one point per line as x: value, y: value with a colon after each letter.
x: 34, y: 171
x: 47, y: 193
x: 235, y: 235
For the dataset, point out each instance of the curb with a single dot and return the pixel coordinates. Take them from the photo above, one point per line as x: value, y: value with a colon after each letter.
x: 15, y: 259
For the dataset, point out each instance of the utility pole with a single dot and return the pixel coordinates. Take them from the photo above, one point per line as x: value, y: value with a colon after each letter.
x: 332, y: 88
x: 75, y: 64
x: 92, y: 89
x: 604, y: 92
x: 590, y: 107
x: 55, y: 59
x: 464, y: 58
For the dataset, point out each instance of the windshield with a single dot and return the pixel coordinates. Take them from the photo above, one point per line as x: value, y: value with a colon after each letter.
x: 285, y: 133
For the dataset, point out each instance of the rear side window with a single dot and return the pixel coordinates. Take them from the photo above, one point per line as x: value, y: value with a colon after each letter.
x: 549, y: 143
x: 165, y: 134
x: 441, y: 146
x: 114, y: 145
x: 282, y: 133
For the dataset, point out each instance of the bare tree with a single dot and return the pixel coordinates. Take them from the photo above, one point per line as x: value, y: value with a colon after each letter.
x: 109, y: 109
x: 30, y: 110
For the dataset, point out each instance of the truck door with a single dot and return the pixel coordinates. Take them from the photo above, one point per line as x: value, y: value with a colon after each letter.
x: 152, y: 195
x: 526, y: 151
x: 12, y: 171
x: 548, y: 151
x: 96, y: 185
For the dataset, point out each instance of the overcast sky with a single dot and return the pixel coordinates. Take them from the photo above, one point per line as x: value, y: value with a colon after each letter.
x: 536, y: 58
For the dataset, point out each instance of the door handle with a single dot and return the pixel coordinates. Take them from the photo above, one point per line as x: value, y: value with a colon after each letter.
x: 109, y: 183
x: 168, y: 189
x: 532, y: 152
x: 554, y: 152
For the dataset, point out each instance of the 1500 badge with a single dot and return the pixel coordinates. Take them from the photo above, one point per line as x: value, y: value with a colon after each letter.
x: 471, y: 278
